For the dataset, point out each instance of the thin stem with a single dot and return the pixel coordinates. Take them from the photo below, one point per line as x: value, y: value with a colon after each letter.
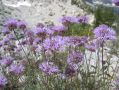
x: 20, y: 44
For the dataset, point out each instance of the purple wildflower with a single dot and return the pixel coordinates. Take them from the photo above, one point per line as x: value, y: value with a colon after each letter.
x: 70, y: 71
x: 74, y: 59
x: 23, y: 42
x: 83, y: 19
x: 6, y: 61
x: 5, y: 31
x: 39, y: 31
x: 55, y: 43
x: 6, y: 41
x: 48, y: 31
x: 3, y: 80
x: 29, y: 33
x: 11, y: 37
x: 68, y: 19
x: 77, y: 41
x: 21, y: 24
x: 37, y: 40
x: 104, y: 33
x: 49, y: 68
x: 16, y: 69
x: 11, y: 24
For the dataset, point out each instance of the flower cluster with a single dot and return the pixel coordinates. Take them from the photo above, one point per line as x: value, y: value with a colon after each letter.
x: 74, y: 58
x: 56, y: 43
x: 48, y: 68
x: 104, y: 33
x: 6, y: 61
x: 16, y: 69
x: 26, y: 50
x: 83, y: 19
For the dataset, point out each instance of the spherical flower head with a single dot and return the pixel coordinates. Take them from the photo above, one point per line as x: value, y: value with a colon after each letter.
x: 3, y: 81
x: 6, y: 61
x: 104, y: 33
x: 77, y: 41
x: 5, y: 31
x: 49, y: 31
x: 66, y: 20
x: 54, y: 44
x: 70, y: 71
x: 48, y: 68
x: 22, y: 24
x: 83, y: 19
x: 11, y: 24
x: 116, y: 2
x: 29, y: 33
x: 74, y: 59
x: 11, y: 37
x: 16, y: 69
x: 6, y: 41
x: 37, y: 40
x: 39, y: 31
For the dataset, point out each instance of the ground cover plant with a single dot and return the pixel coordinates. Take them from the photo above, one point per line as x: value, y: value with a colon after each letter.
x: 72, y: 56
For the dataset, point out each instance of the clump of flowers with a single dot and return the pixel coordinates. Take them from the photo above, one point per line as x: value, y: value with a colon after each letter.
x: 77, y: 40
x: 49, y: 68
x: 66, y: 20
x: 83, y: 19
x: 24, y: 52
x: 21, y: 24
x: 16, y: 69
x: 6, y: 61
x: 74, y: 59
x: 104, y: 33
x: 11, y: 24
x: 53, y: 44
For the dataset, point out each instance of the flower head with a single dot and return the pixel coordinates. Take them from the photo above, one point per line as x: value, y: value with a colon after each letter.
x: 6, y: 41
x: 49, y: 68
x: 11, y: 37
x: 70, y: 71
x: 68, y: 19
x: 74, y: 59
x: 39, y: 31
x: 16, y: 69
x: 104, y: 33
x: 55, y: 43
x: 77, y: 41
x: 83, y: 19
x: 5, y: 31
x: 3, y: 80
x: 6, y: 61
x: 21, y: 24
x: 11, y: 24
